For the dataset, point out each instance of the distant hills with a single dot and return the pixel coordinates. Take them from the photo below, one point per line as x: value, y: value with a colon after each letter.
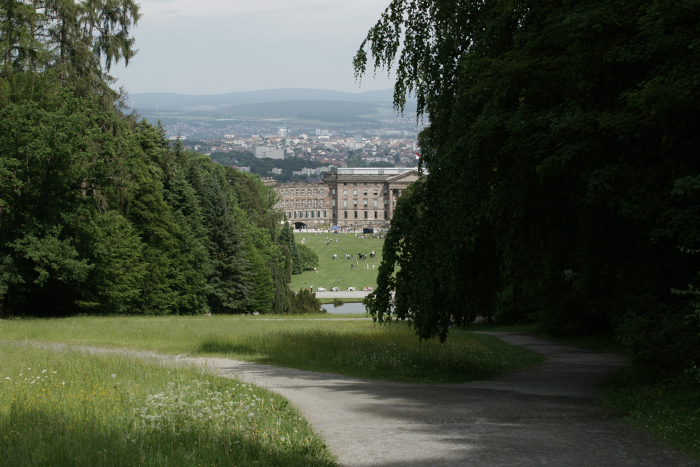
x: 171, y: 101
x: 292, y: 105
x: 329, y: 111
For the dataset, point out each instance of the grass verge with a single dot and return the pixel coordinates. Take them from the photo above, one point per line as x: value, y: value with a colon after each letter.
x: 62, y: 407
x: 669, y: 409
x: 358, y: 348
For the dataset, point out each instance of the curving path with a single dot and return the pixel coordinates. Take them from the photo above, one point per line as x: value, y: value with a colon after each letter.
x: 544, y: 416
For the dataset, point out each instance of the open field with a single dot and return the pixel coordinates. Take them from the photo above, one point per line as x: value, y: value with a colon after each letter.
x: 63, y: 407
x: 330, y: 270
x: 358, y: 348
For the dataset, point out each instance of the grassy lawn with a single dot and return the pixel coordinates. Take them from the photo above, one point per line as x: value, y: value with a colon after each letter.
x: 667, y: 408
x: 330, y: 270
x: 62, y: 407
x: 358, y: 348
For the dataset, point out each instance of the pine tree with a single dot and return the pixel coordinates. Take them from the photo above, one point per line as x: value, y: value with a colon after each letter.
x: 229, y: 282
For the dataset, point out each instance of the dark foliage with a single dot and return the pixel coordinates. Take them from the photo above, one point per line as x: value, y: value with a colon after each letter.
x: 563, y: 168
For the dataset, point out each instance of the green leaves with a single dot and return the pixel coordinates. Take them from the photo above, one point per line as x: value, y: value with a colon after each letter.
x: 562, y: 158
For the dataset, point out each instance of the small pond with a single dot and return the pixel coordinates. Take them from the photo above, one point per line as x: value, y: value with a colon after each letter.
x: 345, y: 308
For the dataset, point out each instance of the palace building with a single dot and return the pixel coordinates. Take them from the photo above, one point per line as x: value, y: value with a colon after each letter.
x: 357, y: 197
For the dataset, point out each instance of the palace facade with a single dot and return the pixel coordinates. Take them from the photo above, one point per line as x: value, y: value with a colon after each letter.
x: 357, y: 197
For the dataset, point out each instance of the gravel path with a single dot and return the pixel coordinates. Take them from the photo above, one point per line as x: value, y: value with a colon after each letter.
x: 543, y: 416
x: 540, y: 417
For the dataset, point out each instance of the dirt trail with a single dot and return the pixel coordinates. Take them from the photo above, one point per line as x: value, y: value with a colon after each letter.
x: 543, y: 416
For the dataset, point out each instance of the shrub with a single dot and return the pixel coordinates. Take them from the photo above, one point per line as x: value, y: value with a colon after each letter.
x: 305, y: 301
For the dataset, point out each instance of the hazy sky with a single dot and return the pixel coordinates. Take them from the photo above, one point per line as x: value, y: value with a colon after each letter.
x: 219, y: 46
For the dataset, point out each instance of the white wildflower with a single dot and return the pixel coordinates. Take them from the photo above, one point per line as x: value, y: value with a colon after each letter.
x: 7, y: 377
x: 43, y: 371
x: 113, y: 376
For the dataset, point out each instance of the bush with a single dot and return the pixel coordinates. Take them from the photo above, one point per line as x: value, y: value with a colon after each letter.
x: 305, y: 301
x: 337, y: 302
x: 660, y: 335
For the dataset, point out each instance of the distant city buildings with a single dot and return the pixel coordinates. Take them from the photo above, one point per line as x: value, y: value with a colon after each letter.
x: 269, y: 152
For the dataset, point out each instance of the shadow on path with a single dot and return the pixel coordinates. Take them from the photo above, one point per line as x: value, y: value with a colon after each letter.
x: 541, y: 416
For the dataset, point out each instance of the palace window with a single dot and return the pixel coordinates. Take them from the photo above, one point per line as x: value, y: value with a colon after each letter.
x: 375, y: 215
x: 345, y: 192
x: 365, y: 192
x: 322, y: 191
x: 375, y: 203
x: 365, y: 214
x: 355, y: 214
x: 315, y: 192
x: 345, y: 203
x: 355, y: 193
x: 346, y: 214
x: 375, y: 192
x: 354, y: 202
x: 365, y: 202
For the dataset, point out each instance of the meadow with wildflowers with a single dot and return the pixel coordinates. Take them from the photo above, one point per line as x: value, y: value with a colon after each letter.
x: 357, y: 348
x: 66, y: 407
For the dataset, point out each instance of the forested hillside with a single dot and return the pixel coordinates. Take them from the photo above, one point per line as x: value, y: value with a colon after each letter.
x: 98, y: 213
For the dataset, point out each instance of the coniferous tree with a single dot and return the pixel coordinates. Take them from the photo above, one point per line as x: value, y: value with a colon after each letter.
x: 229, y: 282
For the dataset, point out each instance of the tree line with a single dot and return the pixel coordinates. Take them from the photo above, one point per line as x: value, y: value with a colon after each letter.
x: 564, y: 177
x: 99, y: 214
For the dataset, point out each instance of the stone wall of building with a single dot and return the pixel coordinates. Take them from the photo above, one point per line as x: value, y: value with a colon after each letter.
x: 359, y: 197
x: 307, y: 203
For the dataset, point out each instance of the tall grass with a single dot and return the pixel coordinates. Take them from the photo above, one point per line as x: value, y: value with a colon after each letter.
x: 375, y: 352
x: 357, y: 347
x: 65, y: 408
